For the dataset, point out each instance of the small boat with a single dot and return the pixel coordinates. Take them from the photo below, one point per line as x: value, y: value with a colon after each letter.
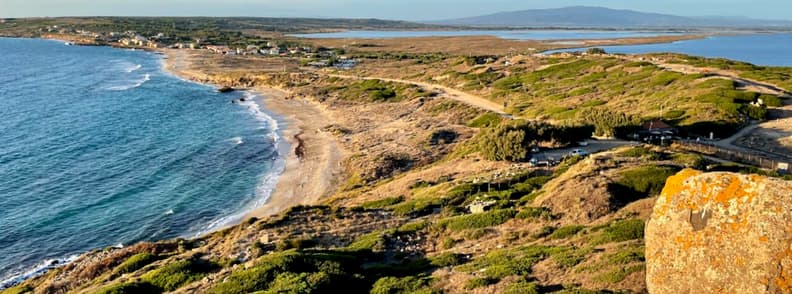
x: 68, y: 43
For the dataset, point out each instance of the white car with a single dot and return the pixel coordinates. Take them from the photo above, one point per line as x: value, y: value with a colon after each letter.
x: 583, y: 143
x: 578, y: 152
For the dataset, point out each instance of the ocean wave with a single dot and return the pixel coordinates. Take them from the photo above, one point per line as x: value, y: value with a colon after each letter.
x: 36, y: 271
x: 134, y: 68
x: 255, y: 109
x: 138, y: 83
x: 268, y: 181
x: 236, y: 140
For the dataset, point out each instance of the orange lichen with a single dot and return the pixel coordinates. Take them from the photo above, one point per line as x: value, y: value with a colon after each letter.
x: 675, y: 184
x: 673, y: 187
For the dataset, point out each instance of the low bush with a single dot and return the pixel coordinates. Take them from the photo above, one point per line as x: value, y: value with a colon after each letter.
x: 498, y: 264
x: 447, y: 259
x: 486, y: 120
x: 619, y: 274
x: 372, y: 241
x: 570, y: 257
x: 566, y: 232
x: 771, y: 100
x: 511, y: 141
x: 642, y: 152
x: 130, y: 288
x: 620, y: 231
x: 476, y: 283
x: 382, y: 203
x: 390, y: 285
x: 477, y: 221
x: 627, y: 256
x: 174, y: 275
x: 136, y: 262
x: 647, y: 180
x: 521, y: 287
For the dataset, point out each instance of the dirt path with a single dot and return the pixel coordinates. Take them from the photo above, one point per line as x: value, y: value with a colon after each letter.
x: 450, y: 93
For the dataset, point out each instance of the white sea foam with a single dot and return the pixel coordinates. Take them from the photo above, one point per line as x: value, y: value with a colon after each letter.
x: 134, y: 68
x: 255, y: 109
x: 138, y: 83
x: 268, y: 181
x: 237, y: 140
x: 169, y: 212
x: 36, y: 271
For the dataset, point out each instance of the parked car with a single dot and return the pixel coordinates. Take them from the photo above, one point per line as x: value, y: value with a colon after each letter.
x: 542, y: 161
x: 583, y: 143
x: 578, y: 152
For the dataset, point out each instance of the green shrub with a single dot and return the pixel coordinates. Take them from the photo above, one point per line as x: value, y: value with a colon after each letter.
x: 136, y: 262
x: 20, y: 289
x: 771, y: 100
x: 642, y: 152
x: 511, y: 141
x: 607, y: 122
x: 619, y: 274
x: 417, y: 207
x: 498, y: 264
x: 570, y: 257
x: 298, y: 244
x: 447, y: 259
x: 449, y: 243
x: 487, y: 120
x: 544, y: 232
x: 476, y: 283
x: 394, y: 285
x: 382, y: 203
x: 674, y: 114
x: 130, y: 288
x: 627, y: 256
x: 521, y: 287
x: 172, y: 276
x: 690, y: 160
x: 294, y: 271
x: 754, y: 112
x: 371, y: 241
x: 646, y: 180
x: 412, y: 227
x: 566, y: 232
x: 477, y: 221
x: 620, y: 231
x: 296, y: 283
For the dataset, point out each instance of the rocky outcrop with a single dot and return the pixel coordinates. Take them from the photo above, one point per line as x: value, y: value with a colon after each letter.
x: 720, y: 233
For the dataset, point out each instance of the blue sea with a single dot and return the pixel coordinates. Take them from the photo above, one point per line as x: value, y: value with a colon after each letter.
x: 759, y: 49
x: 504, y: 34
x: 100, y: 147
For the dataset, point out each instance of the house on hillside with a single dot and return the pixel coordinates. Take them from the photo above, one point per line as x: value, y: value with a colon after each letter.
x: 657, y: 131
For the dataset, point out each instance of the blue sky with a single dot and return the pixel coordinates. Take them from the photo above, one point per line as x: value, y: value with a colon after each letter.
x: 388, y: 9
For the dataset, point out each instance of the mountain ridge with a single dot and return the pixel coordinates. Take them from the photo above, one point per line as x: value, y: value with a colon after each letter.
x: 591, y: 16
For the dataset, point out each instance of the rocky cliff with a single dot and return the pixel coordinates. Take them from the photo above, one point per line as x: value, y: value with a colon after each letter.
x: 720, y: 233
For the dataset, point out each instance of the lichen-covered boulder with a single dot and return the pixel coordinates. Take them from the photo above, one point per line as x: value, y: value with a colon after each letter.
x: 720, y: 233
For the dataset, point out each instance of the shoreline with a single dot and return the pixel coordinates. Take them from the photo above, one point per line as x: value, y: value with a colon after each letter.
x: 312, y: 158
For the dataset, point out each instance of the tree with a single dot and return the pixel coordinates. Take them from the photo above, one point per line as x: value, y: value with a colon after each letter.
x: 608, y: 123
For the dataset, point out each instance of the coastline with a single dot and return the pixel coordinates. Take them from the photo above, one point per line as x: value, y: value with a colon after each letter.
x: 312, y: 157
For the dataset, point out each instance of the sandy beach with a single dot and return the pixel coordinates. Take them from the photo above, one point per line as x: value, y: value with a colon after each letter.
x: 312, y: 163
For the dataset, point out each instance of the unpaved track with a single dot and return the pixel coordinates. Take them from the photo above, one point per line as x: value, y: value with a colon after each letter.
x: 454, y: 94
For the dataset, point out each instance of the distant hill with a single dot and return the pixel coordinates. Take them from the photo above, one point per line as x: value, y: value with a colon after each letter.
x: 585, y: 16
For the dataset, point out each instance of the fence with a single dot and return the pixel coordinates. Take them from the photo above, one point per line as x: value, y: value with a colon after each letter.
x: 757, y: 159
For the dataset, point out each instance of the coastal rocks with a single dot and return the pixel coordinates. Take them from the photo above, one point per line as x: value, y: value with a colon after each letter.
x: 225, y: 89
x: 720, y: 233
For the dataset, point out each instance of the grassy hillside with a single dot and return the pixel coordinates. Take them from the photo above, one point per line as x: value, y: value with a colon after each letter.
x: 423, y: 242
